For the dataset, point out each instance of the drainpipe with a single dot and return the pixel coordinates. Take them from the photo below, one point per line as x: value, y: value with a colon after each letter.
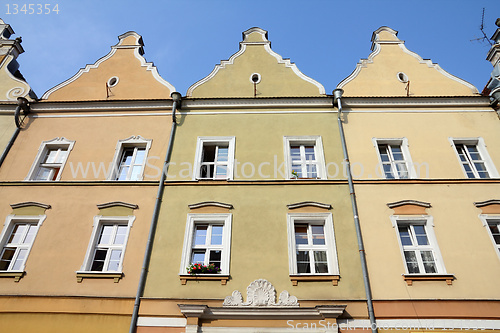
x: 337, y: 94
x: 22, y: 104
x: 154, y: 220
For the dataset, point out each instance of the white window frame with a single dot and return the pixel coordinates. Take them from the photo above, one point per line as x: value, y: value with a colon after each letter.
x: 428, y: 223
x: 325, y: 219
x: 192, y: 220
x: 8, y: 226
x: 99, y: 221
x: 481, y: 147
x: 56, y: 143
x: 484, y: 218
x: 214, y: 140
x: 131, y: 142
x: 405, y: 149
x: 314, y: 140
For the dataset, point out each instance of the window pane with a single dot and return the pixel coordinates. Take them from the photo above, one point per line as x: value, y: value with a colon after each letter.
x: 428, y: 261
x: 105, y: 236
x: 208, y: 153
x: 123, y: 173
x: 310, y: 156
x: 215, y: 258
x: 206, y: 171
x: 222, y: 154
x: 397, y: 154
x: 312, y: 171
x: 31, y: 234
x: 61, y: 156
x: 139, y: 156
x: 384, y: 155
x: 198, y: 257
x: 320, y: 262
x: 43, y: 174
x: 421, y: 235
x: 495, y: 231
x: 318, y: 235
x: 51, y: 156
x: 301, y: 234
x: 127, y: 156
x: 303, y: 263
x: 114, y: 260
x: 411, y: 262
x: 402, y: 170
x: 388, y: 171
x: 216, y: 238
x: 297, y: 170
x: 136, y: 172
x: 295, y: 153
x: 98, y: 262
x: 7, y: 255
x: 121, y: 232
x: 221, y: 171
x: 17, y: 234
x: 200, y: 235
x: 19, y: 261
x: 404, y: 235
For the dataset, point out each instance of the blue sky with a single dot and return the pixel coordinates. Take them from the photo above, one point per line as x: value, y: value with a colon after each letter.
x: 185, y: 39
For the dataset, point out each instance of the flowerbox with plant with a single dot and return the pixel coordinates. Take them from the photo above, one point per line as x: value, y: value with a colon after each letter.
x: 202, y: 269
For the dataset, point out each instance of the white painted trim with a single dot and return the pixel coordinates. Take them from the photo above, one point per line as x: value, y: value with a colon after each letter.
x: 149, y: 65
x: 428, y: 222
x: 42, y: 151
x: 481, y: 147
x: 192, y: 219
x: 267, y: 46
x: 97, y: 222
x: 133, y: 141
x: 230, y: 140
x: 161, y: 322
x: 322, y: 218
x: 12, y: 219
x: 318, y: 145
x: 405, y: 149
x: 426, y: 324
x: 376, y: 47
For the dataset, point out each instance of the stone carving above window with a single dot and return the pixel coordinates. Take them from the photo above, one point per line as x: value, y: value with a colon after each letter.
x: 261, y: 293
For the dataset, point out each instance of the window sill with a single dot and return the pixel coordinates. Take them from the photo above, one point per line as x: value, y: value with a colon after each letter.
x: 98, y: 275
x: 409, y: 278
x: 17, y: 275
x: 204, y: 277
x: 314, y: 278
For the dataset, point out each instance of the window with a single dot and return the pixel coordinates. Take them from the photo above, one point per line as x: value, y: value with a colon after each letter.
x: 311, y: 244
x: 50, y: 160
x: 17, y: 238
x: 207, y: 241
x: 493, y: 224
x: 394, y: 158
x: 214, y: 158
x: 108, y: 243
x: 474, y: 158
x: 418, y: 246
x: 304, y: 157
x: 130, y: 158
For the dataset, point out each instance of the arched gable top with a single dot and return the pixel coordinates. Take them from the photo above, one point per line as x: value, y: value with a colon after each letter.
x: 409, y: 207
x: 393, y: 70
x: 122, y: 74
x: 255, y: 71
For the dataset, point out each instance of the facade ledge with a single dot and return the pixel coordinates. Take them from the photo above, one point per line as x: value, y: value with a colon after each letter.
x: 205, y: 277
x: 16, y: 275
x: 98, y: 275
x: 314, y: 278
x: 410, y: 278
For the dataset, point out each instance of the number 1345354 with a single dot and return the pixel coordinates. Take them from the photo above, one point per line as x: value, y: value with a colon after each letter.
x: 32, y: 8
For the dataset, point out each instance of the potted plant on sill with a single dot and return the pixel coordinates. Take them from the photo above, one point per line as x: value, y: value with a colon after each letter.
x: 194, y: 269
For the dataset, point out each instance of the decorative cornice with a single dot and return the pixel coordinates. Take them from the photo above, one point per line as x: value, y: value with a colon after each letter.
x: 261, y: 293
x: 210, y: 203
x: 206, y: 312
x: 267, y: 46
x: 408, y: 202
x: 487, y: 203
x: 30, y: 204
x: 376, y: 47
x: 117, y: 204
x: 309, y: 203
x: 138, y: 52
